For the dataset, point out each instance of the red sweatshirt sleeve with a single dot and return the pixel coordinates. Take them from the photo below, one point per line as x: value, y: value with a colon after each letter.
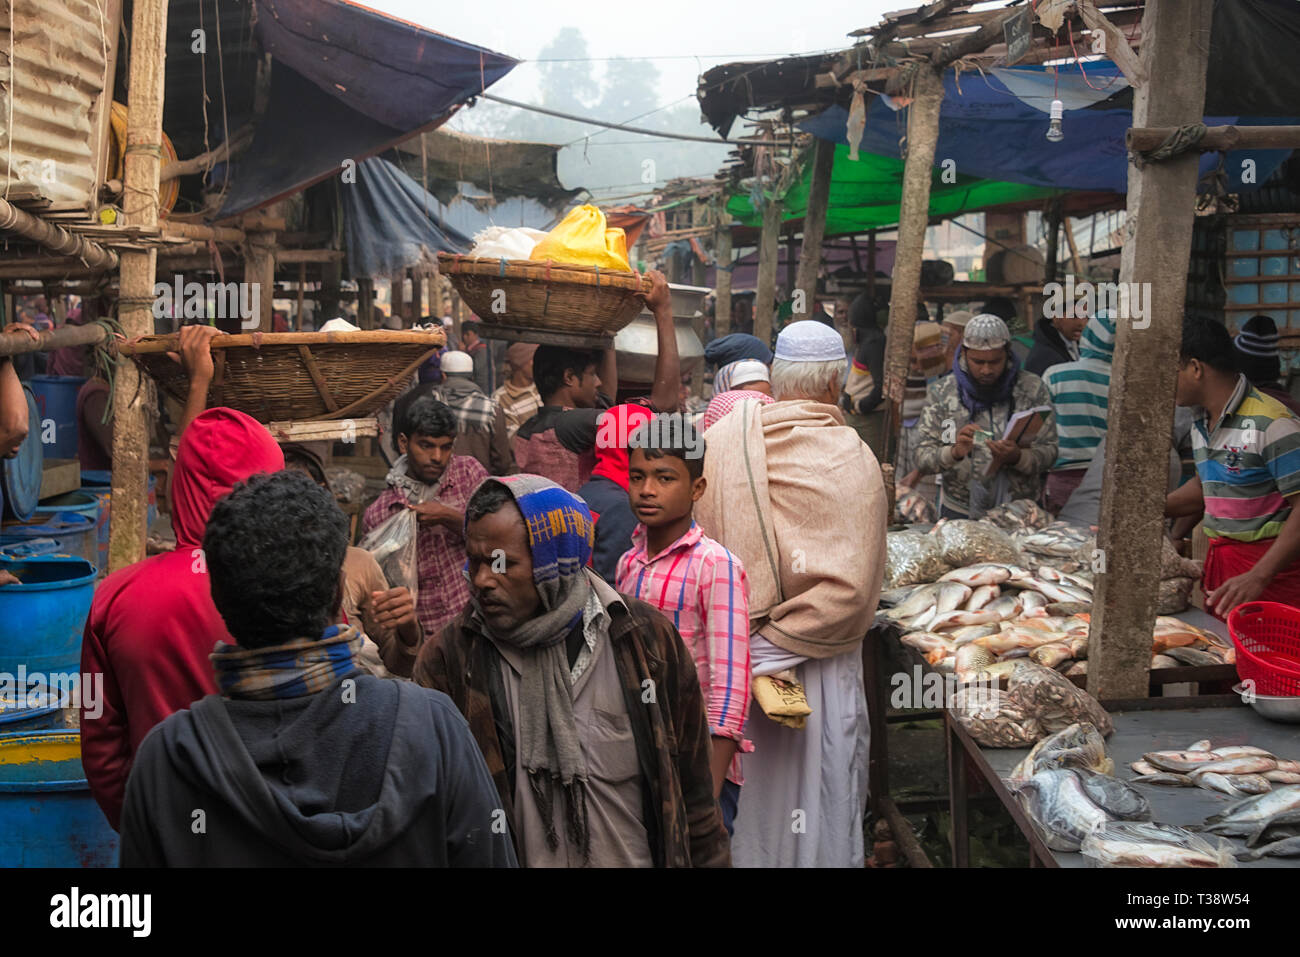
x: 105, y: 739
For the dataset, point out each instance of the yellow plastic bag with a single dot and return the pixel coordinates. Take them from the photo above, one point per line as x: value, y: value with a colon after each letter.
x: 583, y: 239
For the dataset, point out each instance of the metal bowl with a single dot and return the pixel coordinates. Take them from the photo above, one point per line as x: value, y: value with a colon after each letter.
x: 1272, y: 707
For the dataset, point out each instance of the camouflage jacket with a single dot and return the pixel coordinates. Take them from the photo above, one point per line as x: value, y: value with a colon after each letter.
x: 943, y: 417
x: 671, y: 732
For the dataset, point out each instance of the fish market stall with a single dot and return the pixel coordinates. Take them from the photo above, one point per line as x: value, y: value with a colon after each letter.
x: 1242, y: 830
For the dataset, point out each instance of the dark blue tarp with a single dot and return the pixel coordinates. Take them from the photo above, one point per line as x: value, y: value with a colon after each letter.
x: 390, y: 223
x: 346, y: 83
x: 991, y: 134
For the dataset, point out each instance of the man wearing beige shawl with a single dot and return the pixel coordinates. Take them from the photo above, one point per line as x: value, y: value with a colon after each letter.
x: 797, y: 496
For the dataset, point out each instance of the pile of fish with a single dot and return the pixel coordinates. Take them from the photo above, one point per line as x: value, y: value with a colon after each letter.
x: 1267, y: 817
x: 1065, y: 786
x: 1148, y: 844
x: 1021, y: 533
x: 1237, y: 770
x: 979, y: 615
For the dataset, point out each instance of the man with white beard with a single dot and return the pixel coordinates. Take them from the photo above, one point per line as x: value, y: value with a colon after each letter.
x: 799, y: 498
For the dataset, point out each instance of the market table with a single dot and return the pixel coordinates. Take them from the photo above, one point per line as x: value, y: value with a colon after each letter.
x: 1158, y: 724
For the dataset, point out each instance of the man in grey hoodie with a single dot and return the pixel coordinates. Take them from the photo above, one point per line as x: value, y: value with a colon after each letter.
x: 301, y: 759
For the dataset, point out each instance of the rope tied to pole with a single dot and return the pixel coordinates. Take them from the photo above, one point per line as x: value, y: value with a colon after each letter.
x: 1181, y: 140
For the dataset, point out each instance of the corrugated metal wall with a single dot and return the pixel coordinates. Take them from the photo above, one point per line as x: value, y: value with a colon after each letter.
x: 58, y: 53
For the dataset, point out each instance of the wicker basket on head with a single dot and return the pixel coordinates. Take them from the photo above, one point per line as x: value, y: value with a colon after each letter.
x: 549, y: 297
x: 296, y: 376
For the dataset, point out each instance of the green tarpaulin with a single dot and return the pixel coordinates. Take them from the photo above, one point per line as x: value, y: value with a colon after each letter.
x: 865, y: 194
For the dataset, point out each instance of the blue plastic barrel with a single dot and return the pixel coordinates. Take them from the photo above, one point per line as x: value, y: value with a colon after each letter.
x: 56, y: 398
x: 74, y: 532
x: 83, y: 503
x: 41, y: 619
x: 99, y: 483
x: 48, y: 817
x: 23, y: 472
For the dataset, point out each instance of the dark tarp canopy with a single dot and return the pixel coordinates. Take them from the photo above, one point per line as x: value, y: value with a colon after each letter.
x: 347, y: 82
x: 389, y: 222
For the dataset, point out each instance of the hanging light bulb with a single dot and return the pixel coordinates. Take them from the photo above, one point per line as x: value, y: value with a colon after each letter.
x: 1054, y: 132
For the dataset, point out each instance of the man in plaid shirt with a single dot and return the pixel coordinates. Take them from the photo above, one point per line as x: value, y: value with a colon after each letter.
x: 693, y: 580
x: 436, y: 484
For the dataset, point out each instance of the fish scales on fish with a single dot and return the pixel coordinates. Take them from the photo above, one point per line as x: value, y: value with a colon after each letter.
x: 1252, y: 816
x: 1149, y: 844
x: 1061, y: 808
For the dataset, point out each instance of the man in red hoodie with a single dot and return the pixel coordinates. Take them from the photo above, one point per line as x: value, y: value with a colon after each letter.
x: 152, y: 625
x: 606, y: 491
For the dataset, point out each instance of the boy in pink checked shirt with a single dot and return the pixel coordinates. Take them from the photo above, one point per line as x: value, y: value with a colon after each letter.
x: 694, y: 581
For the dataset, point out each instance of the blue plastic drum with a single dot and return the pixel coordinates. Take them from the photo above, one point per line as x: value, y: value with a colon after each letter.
x: 22, y: 474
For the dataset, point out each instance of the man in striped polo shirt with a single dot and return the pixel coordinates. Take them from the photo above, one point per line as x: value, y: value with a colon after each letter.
x: 1079, y: 392
x: 1247, y: 449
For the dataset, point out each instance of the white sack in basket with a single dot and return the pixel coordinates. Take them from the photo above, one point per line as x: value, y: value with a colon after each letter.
x: 499, y: 242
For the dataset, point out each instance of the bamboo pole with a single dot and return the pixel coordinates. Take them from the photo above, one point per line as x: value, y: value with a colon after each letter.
x: 913, y: 217
x: 142, y: 160
x: 769, y: 251
x: 1161, y: 204
x: 722, y: 279
x: 1144, y: 139
x: 19, y: 343
x: 814, y: 223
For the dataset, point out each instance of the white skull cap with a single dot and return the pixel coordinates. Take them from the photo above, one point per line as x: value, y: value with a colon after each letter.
x: 809, y: 340
x: 986, y: 331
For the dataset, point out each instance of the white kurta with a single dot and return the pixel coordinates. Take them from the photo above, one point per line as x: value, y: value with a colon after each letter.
x: 805, y: 791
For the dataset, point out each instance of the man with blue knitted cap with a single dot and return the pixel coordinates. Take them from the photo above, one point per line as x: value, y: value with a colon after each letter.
x: 964, y: 434
x: 585, y: 703
x: 799, y: 498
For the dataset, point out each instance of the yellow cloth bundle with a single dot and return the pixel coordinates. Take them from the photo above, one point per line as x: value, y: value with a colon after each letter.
x: 583, y: 239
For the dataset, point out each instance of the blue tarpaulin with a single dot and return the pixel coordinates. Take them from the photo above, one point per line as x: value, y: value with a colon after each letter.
x: 389, y: 222
x: 990, y: 133
x: 346, y: 83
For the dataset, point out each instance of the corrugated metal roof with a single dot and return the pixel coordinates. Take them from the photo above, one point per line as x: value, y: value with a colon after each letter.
x: 57, y: 75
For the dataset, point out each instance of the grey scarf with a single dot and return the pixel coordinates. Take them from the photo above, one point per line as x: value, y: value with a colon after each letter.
x: 547, y: 736
x: 414, y: 490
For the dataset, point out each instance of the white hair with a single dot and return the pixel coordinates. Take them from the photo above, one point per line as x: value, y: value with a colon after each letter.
x: 806, y: 380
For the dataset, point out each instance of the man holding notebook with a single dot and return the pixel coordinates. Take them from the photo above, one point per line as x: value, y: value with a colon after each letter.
x: 988, y: 429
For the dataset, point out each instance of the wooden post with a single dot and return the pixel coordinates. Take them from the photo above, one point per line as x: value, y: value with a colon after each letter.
x: 302, y: 285
x: 259, y: 268
x: 722, y: 279
x: 366, y: 303
x: 814, y: 224
x: 143, y: 155
x: 417, y: 298
x: 1075, y: 264
x: 1157, y: 246
x: 769, y: 250
x: 397, y: 300
x: 1053, y: 239
x: 913, y: 217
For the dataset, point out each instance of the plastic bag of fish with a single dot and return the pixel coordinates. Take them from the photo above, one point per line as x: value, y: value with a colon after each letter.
x: 1078, y: 746
x: 913, y: 558
x: 910, y: 506
x: 1069, y: 804
x: 1037, y: 701
x: 1059, y: 540
x: 1147, y: 844
x: 967, y: 542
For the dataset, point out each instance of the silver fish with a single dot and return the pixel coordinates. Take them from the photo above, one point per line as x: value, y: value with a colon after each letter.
x: 962, y: 617
x: 1163, y: 661
x: 968, y: 633
x: 1287, y: 847
x: 926, y: 642
x: 951, y: 596
x: 1057, y: 802
x: 1215, y: 782
x: 972, y: 575
x: 1180, y: 762
x: 1201, y: 745
x: 1191, y: 656
x: 1245, y: 750
x: 1113, y: 796
x: 971, y: 658
x: 1251, y: 817
x: 1032, y: 599
x: 919, y: 622
x: 1167, y: 778
x: 1278, y: 776
x: 1146, y: 844
x: 1006, y: 607
x: 981, y: 596
x: 1141, y: 767
x: 1246, y: 764
x: 918, y: 601
x: 896, y: 596
x: 1250, y: 783
x: 1056, y: 593
x: 1050, y: 655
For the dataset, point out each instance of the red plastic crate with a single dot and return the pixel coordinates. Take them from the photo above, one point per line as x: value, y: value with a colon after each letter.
x: 1267, y: 637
